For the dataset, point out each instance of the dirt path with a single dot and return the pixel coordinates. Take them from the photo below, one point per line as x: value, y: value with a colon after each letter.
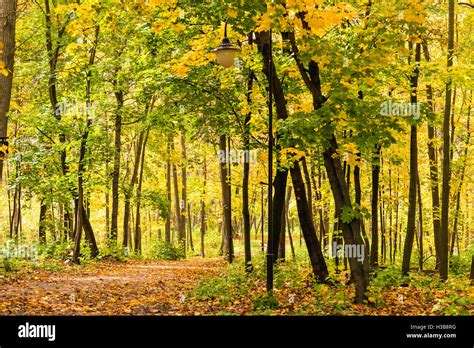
x: 107, y: 288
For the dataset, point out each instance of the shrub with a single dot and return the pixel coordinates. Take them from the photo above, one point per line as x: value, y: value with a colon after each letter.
x: 388, y: 277
x: 9, y: 264
x: 56, y: 250
x: 166, y: 251
x: 264, y: 302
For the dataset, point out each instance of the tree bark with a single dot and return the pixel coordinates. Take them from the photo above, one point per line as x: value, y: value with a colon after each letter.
x: 7, y: 54
x: 176, y: 192
x: 138, y: 230
x: 129, y: 191
x: 443, y: 268
x: 183, y: 202
x: 374, y: 252
x: 316, y: 257
x: 461, y: 182
x: 80, y: 197
x: 116, y: 169
x: 226, y: 197
x: 168, y: 192
x: 411, y: 219
x: 203, y: 207
x: 433, y: 158
x: 420, y: 214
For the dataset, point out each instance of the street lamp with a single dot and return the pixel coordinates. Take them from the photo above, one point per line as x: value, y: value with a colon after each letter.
x: 226, y: 54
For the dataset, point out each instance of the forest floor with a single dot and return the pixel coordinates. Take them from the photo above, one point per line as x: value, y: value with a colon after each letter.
x: 198, y: 286
x: 134, y: 287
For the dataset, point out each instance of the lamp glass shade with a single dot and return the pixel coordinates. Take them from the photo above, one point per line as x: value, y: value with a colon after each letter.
x: 226, y: 56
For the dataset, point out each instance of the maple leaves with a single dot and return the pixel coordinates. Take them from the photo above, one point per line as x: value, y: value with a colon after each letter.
x: 106, y: 288
x: 198, y: 286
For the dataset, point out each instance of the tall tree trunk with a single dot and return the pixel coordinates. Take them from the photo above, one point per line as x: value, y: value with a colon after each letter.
x: 433, y: 158
x: 390, y: 207
x: 116, y: 171
x: 80, y: 196
x: 183, y: 203
x: 443, y: 268
x: 374, y: 252
x: 397, y: 208
x: 42, y: 219
x: 168, y: 191
x: 7, y: 54
x: 16, y: 217
x: 411, y: 219
x: 316, y: 257
x: 203, y: 207
x: 287, y: 221
x: 308, y: 187
x: 138, y: 231
x: 358, y: 200
x: 130, y: 189
x: 420, y: 214
x: 176, y: 193
x: 226, y: 198
x: 461, y: 181
x: 53, y: 50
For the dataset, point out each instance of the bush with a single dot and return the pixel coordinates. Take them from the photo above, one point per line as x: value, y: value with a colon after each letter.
x: 9, y: 264
x: 265, y: 302
x: 113, y: 252
x: 387, y: 278
x: 56, y: 250
x: 162, y: 250
x: 460, y: 264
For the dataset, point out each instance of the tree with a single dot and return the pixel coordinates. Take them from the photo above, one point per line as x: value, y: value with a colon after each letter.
x: 8, y: 10
x: 443, y: 256
x: 411, y: 226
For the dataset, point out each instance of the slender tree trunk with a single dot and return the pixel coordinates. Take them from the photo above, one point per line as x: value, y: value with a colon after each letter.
x: 7, y: 54
x: 116, y: 170
x: 262, y: 213
x: 411, y: 219
x: 16, y: 217
x: 287, y: 221
x: 420, y: 214
x: 471, y: 276
x: 226, y: 197
x: 53, y: 56
x: 308, y: 187
x: 316, y: 257
x: 203, y: 207
x: 80, y: 197
x: 461, y: 181
x: 433, y: 158
x: 129, y: 192
x: 190, y: 229
x: 168, y: 192
x: 138, y: 230
x: 443, y: 268
x: 390, y: 207
x: 183, y: 202
x: 374, y: 253
x: 358, y: 200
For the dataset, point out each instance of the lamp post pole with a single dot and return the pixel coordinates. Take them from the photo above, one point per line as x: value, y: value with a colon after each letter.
x: 270, y: 255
